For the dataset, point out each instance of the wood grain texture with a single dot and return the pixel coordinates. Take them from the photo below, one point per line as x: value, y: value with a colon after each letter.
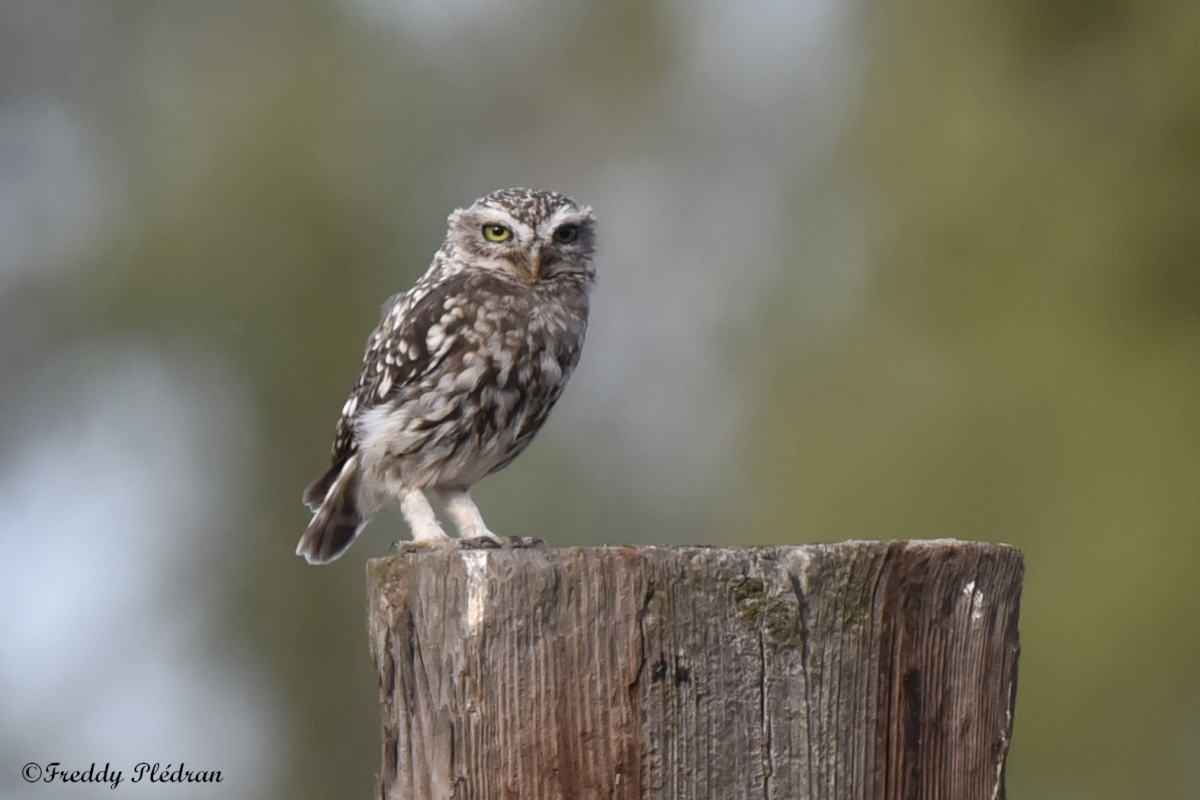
x: 855, y: 670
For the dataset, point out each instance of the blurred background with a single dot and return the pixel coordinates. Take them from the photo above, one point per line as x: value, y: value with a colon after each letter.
x: 867, y: 270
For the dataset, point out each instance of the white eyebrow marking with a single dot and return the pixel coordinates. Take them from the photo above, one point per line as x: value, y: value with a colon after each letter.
x: 559, y: 217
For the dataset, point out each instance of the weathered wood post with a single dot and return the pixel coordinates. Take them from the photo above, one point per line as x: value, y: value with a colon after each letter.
x: 858, y: 670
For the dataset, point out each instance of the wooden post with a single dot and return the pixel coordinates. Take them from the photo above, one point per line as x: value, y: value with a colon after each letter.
x: 858, y: 670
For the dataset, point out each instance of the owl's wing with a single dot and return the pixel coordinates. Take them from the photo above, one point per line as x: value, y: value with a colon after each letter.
x: 418, y: 331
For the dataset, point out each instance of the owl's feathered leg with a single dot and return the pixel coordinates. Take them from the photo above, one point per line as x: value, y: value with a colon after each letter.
x: 420, y: 517
x: 466, y: 516
x: 338, y: 519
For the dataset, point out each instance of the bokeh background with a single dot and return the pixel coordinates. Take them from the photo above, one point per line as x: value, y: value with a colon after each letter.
x: 867, y: 270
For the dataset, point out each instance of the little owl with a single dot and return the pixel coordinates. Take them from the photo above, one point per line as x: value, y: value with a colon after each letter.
x: 462, y: 370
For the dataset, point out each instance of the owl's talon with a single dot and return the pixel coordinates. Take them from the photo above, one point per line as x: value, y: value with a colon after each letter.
x: 522, y: 542
x: 478, y: 543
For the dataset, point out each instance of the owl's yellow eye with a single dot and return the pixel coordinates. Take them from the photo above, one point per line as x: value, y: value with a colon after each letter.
x: 566, y: 234
x: 496, y: 233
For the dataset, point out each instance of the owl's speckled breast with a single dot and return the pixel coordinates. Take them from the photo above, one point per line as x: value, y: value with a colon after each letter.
x: 502, y: 372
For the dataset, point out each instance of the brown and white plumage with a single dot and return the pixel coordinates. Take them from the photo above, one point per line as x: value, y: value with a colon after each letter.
x: 461, y: 371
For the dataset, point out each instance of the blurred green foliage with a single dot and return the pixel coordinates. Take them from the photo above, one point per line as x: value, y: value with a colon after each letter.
x: 1026, y: 364
x: 1022, y: 364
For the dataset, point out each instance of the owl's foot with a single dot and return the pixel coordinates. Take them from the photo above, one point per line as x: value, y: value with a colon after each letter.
x: 419, y: 545
x: 493, y: 542
x: 522, y: 542
x: 488, y: 541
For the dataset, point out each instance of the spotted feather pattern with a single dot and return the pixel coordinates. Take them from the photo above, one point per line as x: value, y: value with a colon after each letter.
x: 463, y: 368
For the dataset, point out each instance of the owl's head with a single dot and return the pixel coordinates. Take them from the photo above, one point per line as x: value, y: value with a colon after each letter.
x: 527, y: 235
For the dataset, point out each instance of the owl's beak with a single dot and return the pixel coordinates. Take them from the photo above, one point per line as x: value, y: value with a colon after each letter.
x: 535, y: 263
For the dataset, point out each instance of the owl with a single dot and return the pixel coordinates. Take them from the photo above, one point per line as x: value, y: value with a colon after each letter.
x: 461, y: 371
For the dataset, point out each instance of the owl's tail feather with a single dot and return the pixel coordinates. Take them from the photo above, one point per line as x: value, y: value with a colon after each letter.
x: 318, y: 490
x: 337, y: 521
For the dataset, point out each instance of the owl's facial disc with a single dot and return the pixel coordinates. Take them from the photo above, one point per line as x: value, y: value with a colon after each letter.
x: 542, y: 244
